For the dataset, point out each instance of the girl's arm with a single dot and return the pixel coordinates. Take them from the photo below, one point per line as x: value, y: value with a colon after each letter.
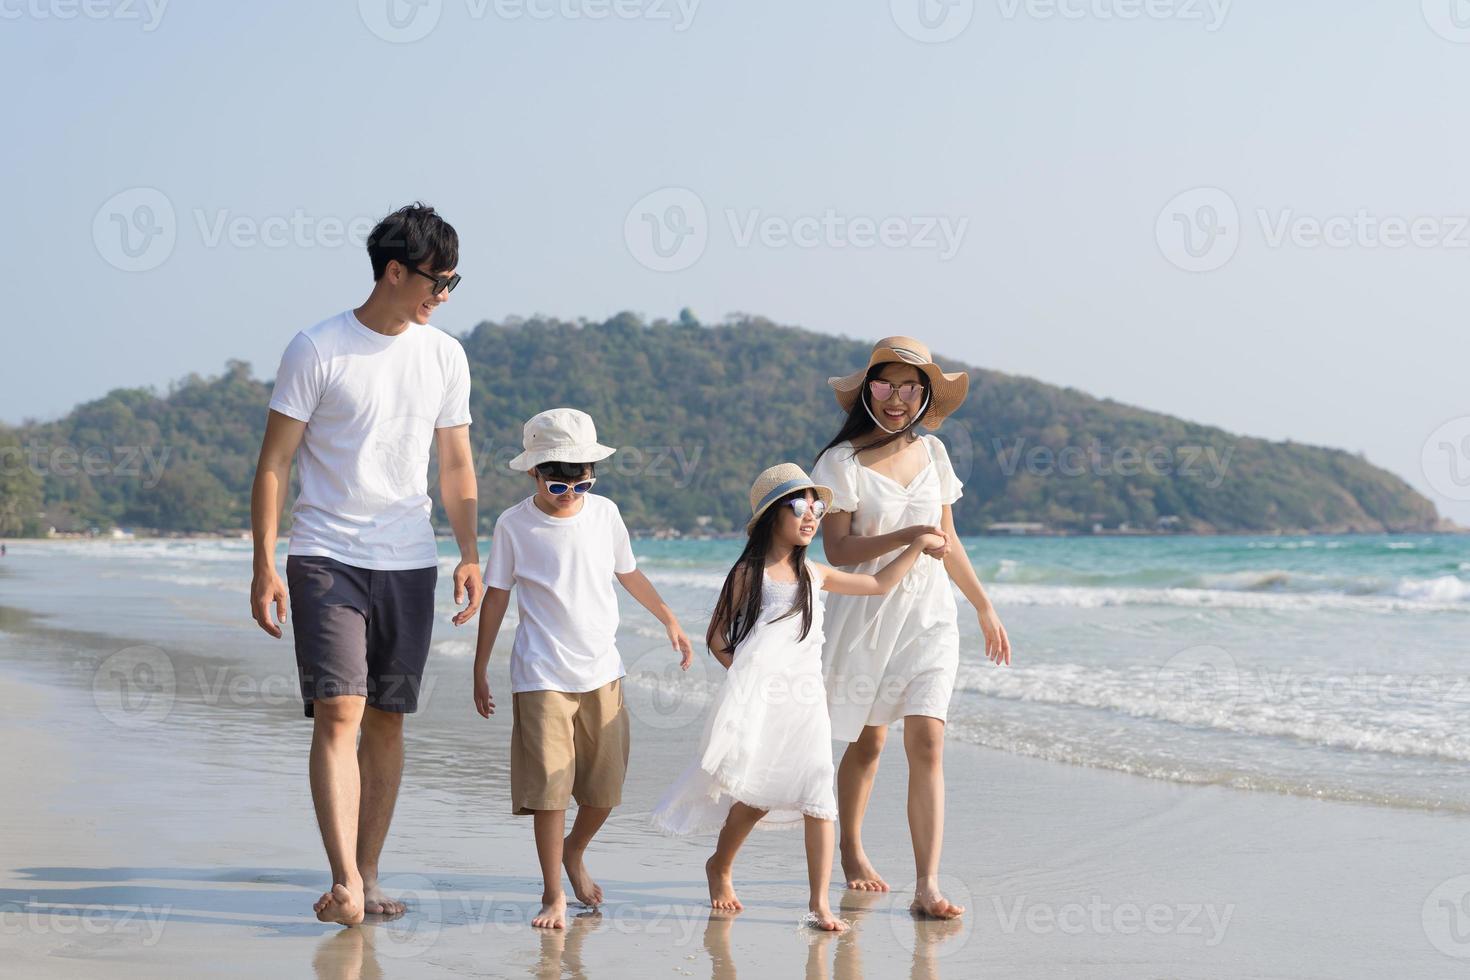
x: 714, y: 637
x: 641, y: 589
x: 492, y: 613
x: 849, y: 583
x: 842, y: 547
x: 962, y: 573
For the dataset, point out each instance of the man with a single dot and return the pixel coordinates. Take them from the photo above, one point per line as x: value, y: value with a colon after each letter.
x: 362, y: 395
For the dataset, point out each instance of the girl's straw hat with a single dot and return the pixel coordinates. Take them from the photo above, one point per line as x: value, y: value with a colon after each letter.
x: 777, y: 482
x: 949, y: 389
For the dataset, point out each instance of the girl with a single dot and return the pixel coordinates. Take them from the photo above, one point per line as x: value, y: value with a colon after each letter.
x: 767, y: 747
x: 896, y: 656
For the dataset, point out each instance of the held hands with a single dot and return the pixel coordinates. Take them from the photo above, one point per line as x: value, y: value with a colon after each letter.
x: 266, y: 588
x: 932, y: 550
x: 680, y: 641
x: 484, y: 702
x: 931, y: 542
x: 467, y: 580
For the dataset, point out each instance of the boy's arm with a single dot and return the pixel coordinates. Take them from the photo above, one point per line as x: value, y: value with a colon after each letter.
x: 492, y: 613
x: 641, y: 589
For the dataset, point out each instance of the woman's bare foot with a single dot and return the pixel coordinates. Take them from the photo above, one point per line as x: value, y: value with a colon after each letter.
x: 341, y: 905
x: 553, y: 914
x: 588, y: 892
x: 822, y: 918
x: 859, y: 871
x: 928, y: 901
x: 376, y: 902
x: 721, y: 887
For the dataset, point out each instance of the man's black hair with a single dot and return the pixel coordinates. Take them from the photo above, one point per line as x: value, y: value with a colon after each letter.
x: 417, y: 237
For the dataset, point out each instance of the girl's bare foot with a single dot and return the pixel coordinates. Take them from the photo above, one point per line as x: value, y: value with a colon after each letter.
x: 341, y: 905
x: 376, y: 902
x: 822, y: 918
x: 928, y: 901
x: 553, y: 914
x: 859, y: 872
x: 721, y: 888
x: 588, y: 892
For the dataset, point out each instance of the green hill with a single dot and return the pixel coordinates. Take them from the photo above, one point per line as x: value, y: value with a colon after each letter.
x: 697, y: 411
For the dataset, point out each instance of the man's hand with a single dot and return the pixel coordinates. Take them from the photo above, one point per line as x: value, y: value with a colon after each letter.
x: 467, y: 580
x: 266, y: 587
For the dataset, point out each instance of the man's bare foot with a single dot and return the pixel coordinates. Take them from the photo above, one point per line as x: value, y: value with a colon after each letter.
x: 721, y: 888
x: 929, y: 902
x: 859, y: 872
x: 342, y: 905
x: 588, y: 892
x: 822, y: 918
x: 376, y: 902
x: 553, y: 914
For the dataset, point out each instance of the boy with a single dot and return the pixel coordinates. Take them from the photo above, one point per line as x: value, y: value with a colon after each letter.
x: 561, y: 548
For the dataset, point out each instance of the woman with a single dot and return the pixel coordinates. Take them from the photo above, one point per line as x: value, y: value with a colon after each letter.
x: 895, y: 656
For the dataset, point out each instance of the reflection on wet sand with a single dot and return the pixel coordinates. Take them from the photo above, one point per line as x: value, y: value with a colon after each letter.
x: 561, y: 949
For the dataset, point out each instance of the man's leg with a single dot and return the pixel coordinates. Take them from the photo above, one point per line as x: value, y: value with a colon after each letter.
x: 335, y: 794
x: 380, y: 761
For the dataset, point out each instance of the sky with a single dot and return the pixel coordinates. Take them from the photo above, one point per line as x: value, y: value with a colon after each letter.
x: 1251, y: 214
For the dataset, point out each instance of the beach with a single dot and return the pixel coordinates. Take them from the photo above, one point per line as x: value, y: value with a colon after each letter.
x: 158, y: 820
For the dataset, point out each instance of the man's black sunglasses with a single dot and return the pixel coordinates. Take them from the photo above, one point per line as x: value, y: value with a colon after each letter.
x: 441, y: 283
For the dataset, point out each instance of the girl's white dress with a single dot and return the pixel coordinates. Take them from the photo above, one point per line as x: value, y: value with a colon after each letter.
x: 888, y: 656
x: 767, y: 742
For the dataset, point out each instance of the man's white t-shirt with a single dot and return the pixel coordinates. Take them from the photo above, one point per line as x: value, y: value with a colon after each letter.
x: 563, y: 570
x: 371, y: 404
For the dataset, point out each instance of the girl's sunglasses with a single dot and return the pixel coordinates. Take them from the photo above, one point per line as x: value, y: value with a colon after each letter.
x: 557, y: 489
x: 800, y: 505
x: 909, y: 391
x: 441, y: 283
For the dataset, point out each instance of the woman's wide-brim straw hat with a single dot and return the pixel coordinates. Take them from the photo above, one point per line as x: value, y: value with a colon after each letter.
x: 777, y: 482
x: 949, y: 389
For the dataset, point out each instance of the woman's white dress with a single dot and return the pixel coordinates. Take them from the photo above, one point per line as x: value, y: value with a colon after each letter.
x: 891, y: 655
x: 767, y: 742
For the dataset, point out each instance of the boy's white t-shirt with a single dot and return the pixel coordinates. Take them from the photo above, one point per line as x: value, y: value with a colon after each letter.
x: 562, y: 569
x: 371, y: 404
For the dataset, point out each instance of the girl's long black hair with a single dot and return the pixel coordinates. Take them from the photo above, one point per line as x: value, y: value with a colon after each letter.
x: 859, y: 423
x: 739, y: 606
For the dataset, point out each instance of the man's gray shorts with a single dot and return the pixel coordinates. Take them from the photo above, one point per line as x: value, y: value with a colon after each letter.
x: 360, y: 630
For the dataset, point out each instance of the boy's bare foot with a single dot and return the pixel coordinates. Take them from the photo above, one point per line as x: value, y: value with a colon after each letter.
x: 553, y: 914
x: 928, y: 901
x: 341, y: 905
x: 376, y: 902
x: 859, y: 872
x: 822, y: 918
x: 588, y: 892
x: 721, y: 888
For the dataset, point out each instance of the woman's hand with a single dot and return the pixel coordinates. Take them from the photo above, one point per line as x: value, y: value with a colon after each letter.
x: 997, y: 643
x: 931, y: 542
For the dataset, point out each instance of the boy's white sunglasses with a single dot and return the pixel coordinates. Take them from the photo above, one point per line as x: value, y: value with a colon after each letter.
x: 559, y: 487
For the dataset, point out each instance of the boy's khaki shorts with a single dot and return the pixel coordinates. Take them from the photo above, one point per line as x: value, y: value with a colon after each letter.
x: 568, y: 745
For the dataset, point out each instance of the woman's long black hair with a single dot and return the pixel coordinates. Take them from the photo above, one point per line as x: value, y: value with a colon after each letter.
x: 739, y: 606
x: 859, y: 423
